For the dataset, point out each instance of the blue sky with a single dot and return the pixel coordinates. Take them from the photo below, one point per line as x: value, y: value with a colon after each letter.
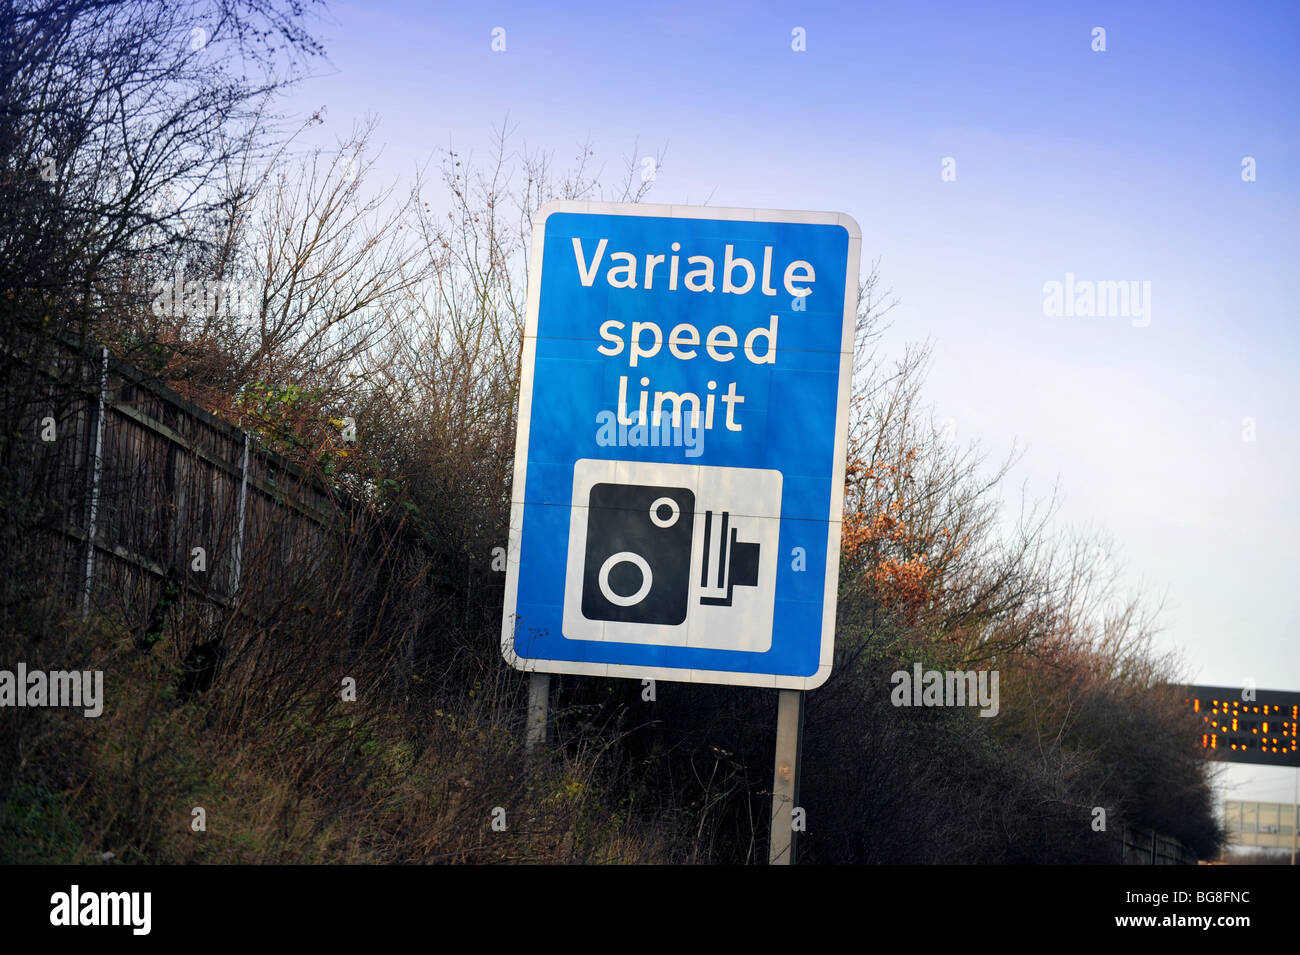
x: 1114, y: 166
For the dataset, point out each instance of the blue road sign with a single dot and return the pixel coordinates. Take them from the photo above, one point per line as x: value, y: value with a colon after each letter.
x: 679, y: 466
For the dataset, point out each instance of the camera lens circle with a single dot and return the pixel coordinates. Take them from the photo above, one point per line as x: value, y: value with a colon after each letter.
x: 624, y: 556
x: 674, y: 512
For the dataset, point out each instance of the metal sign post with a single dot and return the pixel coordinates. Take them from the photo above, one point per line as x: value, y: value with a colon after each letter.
x: 785, y: 777
x: 539, y: 692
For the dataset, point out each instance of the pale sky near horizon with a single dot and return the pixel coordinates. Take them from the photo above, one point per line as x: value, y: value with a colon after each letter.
x: 1175, y: 432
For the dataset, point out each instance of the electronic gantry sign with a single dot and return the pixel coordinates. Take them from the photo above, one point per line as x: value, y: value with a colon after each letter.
x: 1246, y: 725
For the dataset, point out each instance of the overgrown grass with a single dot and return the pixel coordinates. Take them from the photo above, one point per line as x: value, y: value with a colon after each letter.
x: 421, y: 781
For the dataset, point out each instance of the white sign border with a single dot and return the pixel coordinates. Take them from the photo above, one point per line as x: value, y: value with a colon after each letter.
x: 524, y: 422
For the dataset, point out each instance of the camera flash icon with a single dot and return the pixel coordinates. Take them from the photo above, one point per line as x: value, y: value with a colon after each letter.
x: 727, y: 560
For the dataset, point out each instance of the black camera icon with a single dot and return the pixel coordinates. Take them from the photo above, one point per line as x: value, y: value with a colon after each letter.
x: 638, y: 555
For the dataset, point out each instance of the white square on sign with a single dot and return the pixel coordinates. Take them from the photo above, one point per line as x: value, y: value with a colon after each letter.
x: 672, y: 555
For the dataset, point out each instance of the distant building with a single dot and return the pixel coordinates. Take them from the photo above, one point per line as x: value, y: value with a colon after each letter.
x: 1269, y: 825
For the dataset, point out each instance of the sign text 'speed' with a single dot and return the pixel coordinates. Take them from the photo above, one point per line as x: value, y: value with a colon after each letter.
x: 684, y: 341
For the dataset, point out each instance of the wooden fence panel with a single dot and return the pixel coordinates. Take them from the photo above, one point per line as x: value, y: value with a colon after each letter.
x: 171, y: 479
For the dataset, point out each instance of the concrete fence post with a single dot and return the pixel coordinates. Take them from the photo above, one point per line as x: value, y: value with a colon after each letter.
x: 96, y: 466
